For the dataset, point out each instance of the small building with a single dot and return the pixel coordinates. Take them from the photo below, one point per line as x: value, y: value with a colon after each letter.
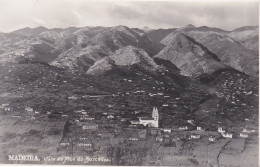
x: 226, y: 135
x: 244, y: 135
x: 123, y: 119
x: 195, y: 136
x: 7, y: 109
x: 133, y: 139
x: 88, y: 118
x: 84, y: 144
x: 17, y: 116
x: 28, y: 109
x: 191, y: 122
x: 110, y: 116
x: 64, y: 144
x: 167, y: 130
x: 159, y: 138
x: 165, y: 105
x: 73, y: 98
x: 83, y: 138
x: 212, y: 139
x: 4, y: 105
x: 90, y: 127
x: 221, y: 130
x: 247, y: 130
x: 183, y: 128
x: 137, y: 112
x: 200, y: 128
x: 84, y: 112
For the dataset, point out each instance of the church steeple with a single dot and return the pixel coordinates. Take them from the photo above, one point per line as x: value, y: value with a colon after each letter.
x: 155, y: 116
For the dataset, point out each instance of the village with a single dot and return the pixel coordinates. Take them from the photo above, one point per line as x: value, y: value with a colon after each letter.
x: 93, y: 134
x: 117, y: 120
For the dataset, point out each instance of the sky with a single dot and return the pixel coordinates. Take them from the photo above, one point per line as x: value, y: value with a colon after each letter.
x: 16, y: 14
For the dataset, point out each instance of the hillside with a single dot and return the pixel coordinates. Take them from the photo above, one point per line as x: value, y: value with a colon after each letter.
x: 190, y: 57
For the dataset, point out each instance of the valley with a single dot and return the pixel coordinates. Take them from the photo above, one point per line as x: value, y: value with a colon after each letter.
x: 75, y: 93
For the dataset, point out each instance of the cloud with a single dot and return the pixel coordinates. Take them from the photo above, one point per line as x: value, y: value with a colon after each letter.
x: 154, y: 14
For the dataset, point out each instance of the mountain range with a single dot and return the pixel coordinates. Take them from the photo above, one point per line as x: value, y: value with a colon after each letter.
x: 53, y: 81
x: 193, y: 50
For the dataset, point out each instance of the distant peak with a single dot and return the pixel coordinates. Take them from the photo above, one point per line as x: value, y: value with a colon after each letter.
x: 146, y: 29
x: 40, y: 27
x: 190, y: 25
x: 120, y: 27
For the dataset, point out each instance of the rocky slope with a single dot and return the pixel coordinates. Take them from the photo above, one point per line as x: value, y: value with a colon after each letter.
x: 247, y: 36
x: 189, y: 56
x: 126, y: 56
x: 236, y: 49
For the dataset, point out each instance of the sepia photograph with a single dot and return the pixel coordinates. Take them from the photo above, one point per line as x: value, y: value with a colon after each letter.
x: 129, y: 83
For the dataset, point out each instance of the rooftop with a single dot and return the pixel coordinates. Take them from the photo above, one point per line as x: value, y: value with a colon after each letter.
x: 147, y: 118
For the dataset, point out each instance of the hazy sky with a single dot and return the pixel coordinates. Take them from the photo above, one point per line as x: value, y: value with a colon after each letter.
x: 15, y: 14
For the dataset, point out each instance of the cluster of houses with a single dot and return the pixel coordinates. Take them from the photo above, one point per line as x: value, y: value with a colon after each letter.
x: 230, y: 94
x: 6, y: 107
x: 243, y: 134
x: 224, y: 133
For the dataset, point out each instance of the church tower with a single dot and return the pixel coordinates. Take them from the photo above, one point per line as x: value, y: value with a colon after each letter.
x: 155, y: 116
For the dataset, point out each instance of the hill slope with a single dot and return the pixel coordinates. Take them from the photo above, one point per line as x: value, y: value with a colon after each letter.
x: 190, y: 57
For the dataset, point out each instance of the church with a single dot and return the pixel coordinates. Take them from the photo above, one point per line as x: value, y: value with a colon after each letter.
x: 150, y: 121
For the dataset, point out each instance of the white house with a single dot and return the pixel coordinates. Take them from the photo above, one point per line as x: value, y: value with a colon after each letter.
x: 200, y: 128
x: 183, y: 128
x: 168, y: 130
x: 28, y: 109
x: 110, y: 116
x: 247, y: 131
x: 4, y: 105
x: 73, y: 98
x: 244, y: 135
x: 221, y: 130
x: 84, y: 144
x: 194, y: 136
x: 191, y: 122
x: 159, y: 138
x: 212, y: 139
x: 7, y: 109
x: 227, y: 135
x: 64, y: 144
x: 90, y: 127
x: 133, y: 139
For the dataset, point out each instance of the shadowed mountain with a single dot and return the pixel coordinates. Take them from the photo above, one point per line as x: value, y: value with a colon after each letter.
x: 126, y: 56
x: 233, y: 48
x: 189, y: 56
